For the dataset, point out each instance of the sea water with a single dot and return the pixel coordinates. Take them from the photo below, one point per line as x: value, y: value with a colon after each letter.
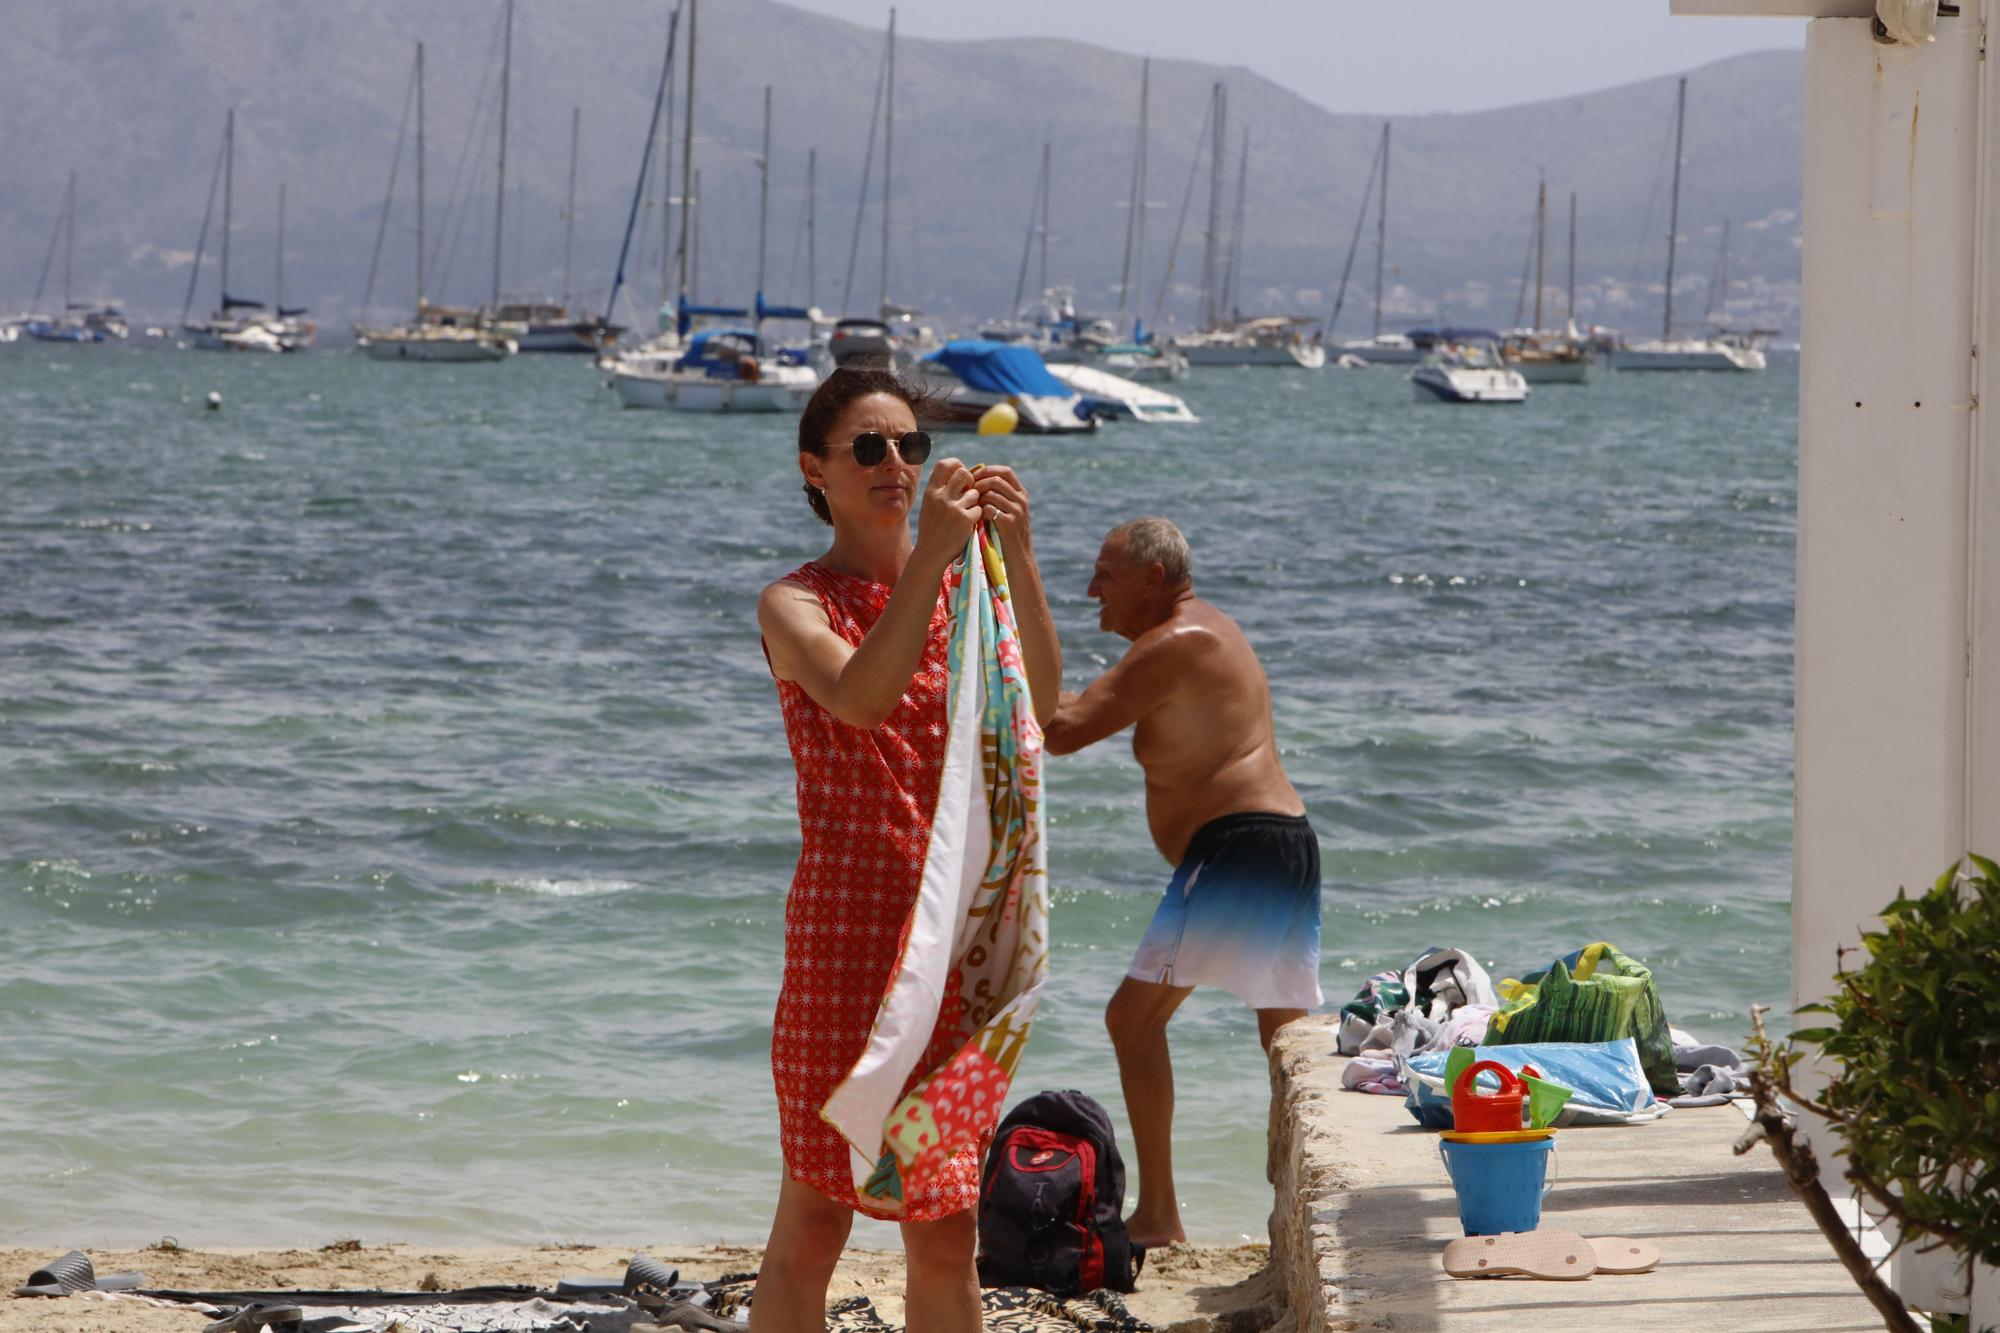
x: 395, y: 816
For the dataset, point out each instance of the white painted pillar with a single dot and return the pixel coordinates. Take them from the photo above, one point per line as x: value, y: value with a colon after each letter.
x: 1898, y: 635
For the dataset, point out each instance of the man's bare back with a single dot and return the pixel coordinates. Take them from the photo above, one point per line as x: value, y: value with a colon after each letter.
x: 1207, y: 745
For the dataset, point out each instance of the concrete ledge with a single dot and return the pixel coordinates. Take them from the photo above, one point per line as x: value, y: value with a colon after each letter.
x: 1364, y: 1210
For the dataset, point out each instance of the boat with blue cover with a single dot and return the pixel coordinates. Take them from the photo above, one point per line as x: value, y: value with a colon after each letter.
x: 971, y: 375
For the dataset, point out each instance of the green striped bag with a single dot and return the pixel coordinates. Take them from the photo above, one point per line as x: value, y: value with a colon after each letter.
x: 1594, y: 994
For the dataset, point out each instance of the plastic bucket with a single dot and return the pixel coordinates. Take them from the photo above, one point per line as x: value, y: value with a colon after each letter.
x: 1500, y: 1185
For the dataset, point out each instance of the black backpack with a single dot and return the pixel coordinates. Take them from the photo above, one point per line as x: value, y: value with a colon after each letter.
x: 1052, y: 1198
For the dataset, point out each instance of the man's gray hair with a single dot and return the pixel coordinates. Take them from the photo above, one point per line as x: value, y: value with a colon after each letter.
x: 1151, y: 540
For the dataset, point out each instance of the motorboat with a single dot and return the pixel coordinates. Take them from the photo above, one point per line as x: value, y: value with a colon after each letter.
x: 719, y: 369
x: 1724, y: 351
x: 1468, y: 374
x: 1114, y: 398
x: 1271, y: 340
x: 971, y: 375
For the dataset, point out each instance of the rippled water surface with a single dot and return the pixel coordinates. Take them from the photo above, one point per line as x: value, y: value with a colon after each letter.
x: 395, y: 816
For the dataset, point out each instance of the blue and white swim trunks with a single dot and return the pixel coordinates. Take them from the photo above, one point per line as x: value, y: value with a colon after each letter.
x: 1241, y: 912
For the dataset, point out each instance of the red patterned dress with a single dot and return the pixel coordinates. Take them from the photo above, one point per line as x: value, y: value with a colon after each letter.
x: 865, y: 802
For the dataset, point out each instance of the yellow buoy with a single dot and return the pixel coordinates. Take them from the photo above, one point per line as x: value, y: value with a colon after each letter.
x: 999, y: 419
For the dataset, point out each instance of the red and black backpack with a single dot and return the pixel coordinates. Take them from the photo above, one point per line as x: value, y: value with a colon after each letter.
x: 1052, y: 1198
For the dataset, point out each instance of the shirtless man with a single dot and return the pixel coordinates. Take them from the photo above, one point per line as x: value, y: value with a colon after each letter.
x: 1242, y: 908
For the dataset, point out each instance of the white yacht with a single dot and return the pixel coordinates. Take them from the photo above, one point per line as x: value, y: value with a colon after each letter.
x: 1724, y: 351
x: 1273, y: 340
x: 718, y: 370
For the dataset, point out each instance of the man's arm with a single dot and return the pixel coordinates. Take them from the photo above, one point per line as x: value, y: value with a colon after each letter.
x: 1141, y: 681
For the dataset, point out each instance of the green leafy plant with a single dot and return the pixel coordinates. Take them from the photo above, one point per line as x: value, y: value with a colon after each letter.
x: 1913, y: 1056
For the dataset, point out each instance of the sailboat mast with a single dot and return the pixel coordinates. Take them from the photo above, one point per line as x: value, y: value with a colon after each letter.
x: 1541, y: 240
x: 500, y: 189
x: 763, y: 194
x: 421, y: 293
x: 667, y: 173
x: 1236, y: 229
x: 69, y: 236
x: 1674, y: 212
x: 1136, y: 200
x: 1381, y: 228
x: 278, y: 301
x: 1209, y: 257
x: 569, y: 209
x: 1569, y: 301
x: 687, y: 159
x: 888, y: 152
x: 1044, y: 238
x: 812, y: 225
x: 200, y: 244
x: 228, y: 196
x: 695, y: 245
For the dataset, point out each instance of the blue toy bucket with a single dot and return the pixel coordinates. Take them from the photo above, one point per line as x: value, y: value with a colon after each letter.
x: 1500, y: 1185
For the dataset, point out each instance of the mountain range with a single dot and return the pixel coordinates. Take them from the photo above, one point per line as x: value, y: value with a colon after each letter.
x: 131, y: 94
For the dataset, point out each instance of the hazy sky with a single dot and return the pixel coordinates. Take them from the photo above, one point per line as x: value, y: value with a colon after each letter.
x: 1346, y: 55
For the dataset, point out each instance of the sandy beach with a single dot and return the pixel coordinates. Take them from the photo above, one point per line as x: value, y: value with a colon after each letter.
x: 1186, y: 1289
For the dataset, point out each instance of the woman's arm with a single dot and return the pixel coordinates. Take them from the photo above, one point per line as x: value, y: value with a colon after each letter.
x: 862, y: 685
x: 1006, y: 502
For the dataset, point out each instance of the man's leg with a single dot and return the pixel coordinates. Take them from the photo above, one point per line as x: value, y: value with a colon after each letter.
x: 1137, y: 1018
x: 1270, y: 1020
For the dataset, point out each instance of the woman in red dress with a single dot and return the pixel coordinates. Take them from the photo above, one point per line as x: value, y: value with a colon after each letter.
x: 857, y: 642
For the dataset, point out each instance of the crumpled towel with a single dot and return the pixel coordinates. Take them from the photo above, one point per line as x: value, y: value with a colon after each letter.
x: 1712, y: 1085
x: 1373, y: 1071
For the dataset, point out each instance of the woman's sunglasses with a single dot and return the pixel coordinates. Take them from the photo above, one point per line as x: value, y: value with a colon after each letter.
x: 872, y: 446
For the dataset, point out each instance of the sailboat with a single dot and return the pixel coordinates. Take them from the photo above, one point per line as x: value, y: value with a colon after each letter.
x: 1379, y: 348
x: 423, y: 337
x: 1722, y: 351
x: 1550, y: 356
x: 79, y: 322
x: 537, y: 325
x: 237, y: 325
x: 1225, y: 339
x: 725, y: 368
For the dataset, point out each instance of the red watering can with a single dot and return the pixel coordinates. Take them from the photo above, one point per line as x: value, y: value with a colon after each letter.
x: 1476, y: 1112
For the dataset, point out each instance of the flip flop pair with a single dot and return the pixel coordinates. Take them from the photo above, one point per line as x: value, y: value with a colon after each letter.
x: 1550, y: 1254
x: 73, y: 1272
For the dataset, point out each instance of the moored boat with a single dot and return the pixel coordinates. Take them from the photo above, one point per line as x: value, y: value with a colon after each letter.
x: 1468, y: 374
x: 1113, y: 398
x: 1272, y: 340
x: 972, y: 375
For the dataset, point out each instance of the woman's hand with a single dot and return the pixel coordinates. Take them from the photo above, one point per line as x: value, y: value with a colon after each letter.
x: 1004, y: 501
x: 951, y: 509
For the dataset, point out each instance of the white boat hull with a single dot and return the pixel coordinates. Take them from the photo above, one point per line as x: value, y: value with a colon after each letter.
x: 774, y: 392
x: 1112, y: 398
x: 1689, y: 354
x: 1310, y: 356
x: 1374, y: 353
x: 431, y: 349
x: 1468, y: 384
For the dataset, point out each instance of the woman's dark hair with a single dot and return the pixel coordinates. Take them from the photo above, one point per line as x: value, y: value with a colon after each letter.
x: 845, y: 386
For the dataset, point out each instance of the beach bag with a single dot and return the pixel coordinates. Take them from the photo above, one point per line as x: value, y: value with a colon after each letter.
x: 1052, y: 1201
x: 1595, y: 994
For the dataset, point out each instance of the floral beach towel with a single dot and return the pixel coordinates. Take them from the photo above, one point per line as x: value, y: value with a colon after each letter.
x: 975, y: 946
